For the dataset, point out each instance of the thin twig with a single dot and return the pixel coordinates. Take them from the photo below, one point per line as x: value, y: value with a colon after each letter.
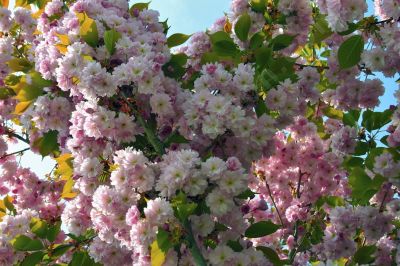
x: 273, y: 202
x: 10, y: 154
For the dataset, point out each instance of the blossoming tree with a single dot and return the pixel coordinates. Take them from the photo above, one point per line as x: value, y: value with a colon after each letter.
x: 256, y: 143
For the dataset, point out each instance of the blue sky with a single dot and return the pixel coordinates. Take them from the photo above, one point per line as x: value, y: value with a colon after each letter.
x: 188, y: 16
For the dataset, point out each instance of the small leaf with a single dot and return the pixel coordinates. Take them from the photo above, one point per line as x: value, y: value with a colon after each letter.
x: 175, y: 138
x: 81, y: 258
x: 320, y: 29
x: 39, y: 227
x: 138, y: 6
x: 163, y: 240
x: 6, y: 93
x: 364, y: 255
x: 48, y: 143
x: 185, y: 210
x: 88, y: 29
x: 261, y: 229
x: 53, y: 231
x: 24, y: 243
x: 157, y: 255
x: 33, y: 259
x: 67, y: 192
x: 333, y: 113
x: 376, y: 120
x: 110, y: 39
x: 258, y: 5
x: 246, y: 194
x: 257, y: 40
x: 349, y: 53
x: 362, y: 186
x: 61, y: 250
x: 8, y: 203
x: 235, y: 245
x: 281, y: 41
x: 19, y: 64
x: 271, y: 255
x: 177, y: 39
x: 242, y: 27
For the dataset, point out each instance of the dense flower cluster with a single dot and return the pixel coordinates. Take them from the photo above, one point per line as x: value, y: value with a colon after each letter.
x: 251, y: 145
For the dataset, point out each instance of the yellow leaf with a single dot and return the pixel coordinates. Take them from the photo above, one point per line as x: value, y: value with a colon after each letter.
x: 88, y: 29
x: 88, y: 58
x: 38, y: 13
x: 22, y: 3
x: 65, y: 167
x: 157, y: 256
x: 21, y: 107
x: 4, y: 3
x: 64, y: 39
x: 62, y: 48
x: 67, y: 192
x: 19, y: 64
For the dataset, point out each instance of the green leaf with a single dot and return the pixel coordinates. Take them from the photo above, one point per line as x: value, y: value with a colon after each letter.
x: 362, y: 186
x: 223, y: 45
x: 24, y: 243
x: 352, y: 162
x: 164, y: 243
x: 138, y: 6
x: 351, y: 118
x: 33, y: 259
x: 333, y: 113
x: 177, y: 39
x: 111, y: 38
x: 317, y: 234
x: 53, y: 231
x: 20, y: 64
x: 39, y: 227
x: 246, y: 194
x: 261, y: 229
x: 6, y: 93
x: 48, y: 143
x: 376, y: 120
x: 81, y: 258
x: 9, y: 205
x: 61, y: 250
x: 373, y: 153
x: 258, y: 5
x: 185, y: 210
x: 332, y: 201
x: 281, y: 42
x: 364, y: 255
x: 263, y: 56
x: 352, y: 27
x: 349, y: 53
x: 88, y: 29
x: 242, y: 27
x: 235, y: 245
x: 361, y: 148
x: 175, y: 68
x: 175, y: 138
x: 271, y: 255
x: 320, y: 29
x: 257, y: 40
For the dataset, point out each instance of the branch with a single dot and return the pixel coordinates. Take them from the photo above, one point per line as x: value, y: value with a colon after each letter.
x: 10, y: 154
x: 12, y: 134
x: 303, y: 66
x: 273, y: 202
x: 382, y: 21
